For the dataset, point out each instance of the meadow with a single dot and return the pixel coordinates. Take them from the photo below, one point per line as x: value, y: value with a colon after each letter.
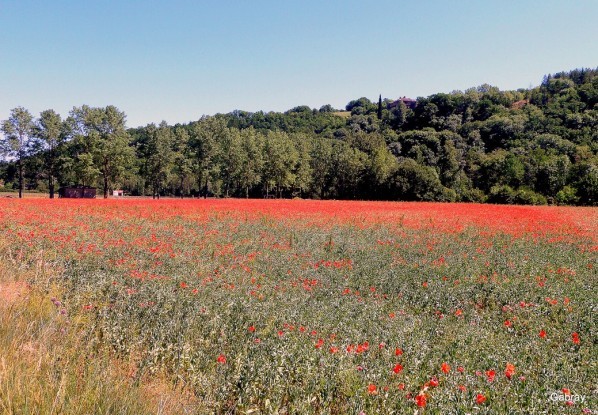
x: 296, y: 307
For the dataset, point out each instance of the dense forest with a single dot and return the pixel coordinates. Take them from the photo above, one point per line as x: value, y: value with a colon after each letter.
x: 530, y: 146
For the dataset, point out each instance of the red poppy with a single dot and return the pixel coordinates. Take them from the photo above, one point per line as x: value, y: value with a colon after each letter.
x: 221, y: 359
x: 420, y: 400
x: 398, y: 352
x: 542, y: 334
x: 251, y: 328
x: 398, y: 368
x: 480, y: 399
x: 462, y: 388
x: 509, y: 370
x: 575, y: 338
x: 445, y: 367
x: 372, y: 390
x: 490, y: 374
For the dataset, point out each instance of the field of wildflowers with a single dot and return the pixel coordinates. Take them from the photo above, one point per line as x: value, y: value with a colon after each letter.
x: 299, y: 307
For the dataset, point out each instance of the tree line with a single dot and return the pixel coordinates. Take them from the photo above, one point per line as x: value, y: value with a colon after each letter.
x: 529, y: 146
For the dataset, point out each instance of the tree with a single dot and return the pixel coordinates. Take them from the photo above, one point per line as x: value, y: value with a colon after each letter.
x: 349, y: 165
x: 205, y: 134
x: 159, y: 156
x: 49, y: 135
x: 280, y: 156
x: 102, y: 131
x: 380, y: 107
x: 302, y: 169
x: 253, y: 162
x: 182, y: 160
x: 229, y: 159
x: 16, y: 144
x: 321, y: 166
x: 415, y: 182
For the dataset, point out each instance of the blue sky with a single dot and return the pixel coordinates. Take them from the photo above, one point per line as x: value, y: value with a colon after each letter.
x: 178, y: 60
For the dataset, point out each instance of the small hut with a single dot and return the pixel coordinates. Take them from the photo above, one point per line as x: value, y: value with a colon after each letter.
x: 77, y: 192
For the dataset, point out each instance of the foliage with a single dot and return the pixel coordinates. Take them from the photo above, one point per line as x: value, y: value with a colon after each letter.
x: 538, y: 141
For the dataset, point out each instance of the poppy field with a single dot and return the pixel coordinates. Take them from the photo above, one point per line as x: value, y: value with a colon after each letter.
x: 299, y: 307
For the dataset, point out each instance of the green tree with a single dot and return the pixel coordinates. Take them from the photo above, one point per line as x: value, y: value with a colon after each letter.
x: 205, y: 135
x: 253, y: 162
x: 230, y: 159
x: 105, y: 138
x: 302, y: 169
x: 182, y: 168
x: 321, y: 166
x: 415, y: 182
x: 159, y: 156
x: 50, y: 138
x: 280, y: 158
x: 18, y: 130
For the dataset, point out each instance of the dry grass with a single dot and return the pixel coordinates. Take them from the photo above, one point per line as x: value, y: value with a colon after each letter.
x: 343, y: 114
x: 46, y: 367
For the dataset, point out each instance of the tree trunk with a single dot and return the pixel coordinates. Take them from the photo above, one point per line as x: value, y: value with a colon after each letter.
x: 105, y: 187
x: 20, y: 165
x: 51, y: 186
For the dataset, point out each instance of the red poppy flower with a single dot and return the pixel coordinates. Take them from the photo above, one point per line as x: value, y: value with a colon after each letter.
x: 490, y: 374
x: 575, y: 338
x: 398, y: 368
x: 398, y: 352
x: 445, y: 367
x: 509, y: 370
x: 420, y: 400
x: 542, y: 334
x: 480, y: 399
x: 221, y: 359
x: 251, y: 328
x: 372, y: 390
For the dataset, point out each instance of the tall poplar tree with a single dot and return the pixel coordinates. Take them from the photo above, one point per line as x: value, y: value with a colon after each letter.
x: 16, y: 143
x: 49, y: 136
